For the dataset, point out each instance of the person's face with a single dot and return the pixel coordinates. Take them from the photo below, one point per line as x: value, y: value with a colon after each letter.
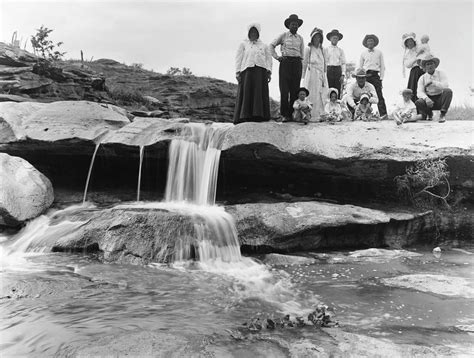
x: 316, y: 40
x: 409, y: 43
x: 360, y: 81
x: 370, y: 43
x: 293, y: 27
x: 334, y: 40
x: 364, y: 101
x: 301, y: 95
x: 333, y: 97
x: 430, y: 67
x: 406, y: 97
x: 253, y: 34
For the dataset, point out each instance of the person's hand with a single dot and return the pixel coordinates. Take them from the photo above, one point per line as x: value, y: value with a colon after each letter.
x: 237, y: 76
x: 280, y: 58
x: 269, y: 76
x: 428, y: 84
x: 429, y: 102
x: 341, y: 80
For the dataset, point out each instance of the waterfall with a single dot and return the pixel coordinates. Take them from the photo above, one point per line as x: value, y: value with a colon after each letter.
x: 192, y: 182
x: 140, y: 172
x: 90, y: 172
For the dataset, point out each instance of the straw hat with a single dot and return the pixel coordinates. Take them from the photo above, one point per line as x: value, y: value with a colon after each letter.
x: 407, y: 36
x: 370, y: 36
x: 360, y: 72
x: 293, y: 17
x: 334, y: 33
x: 429, y: 57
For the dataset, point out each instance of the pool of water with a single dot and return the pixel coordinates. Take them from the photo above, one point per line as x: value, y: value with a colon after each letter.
x: 72, y: 305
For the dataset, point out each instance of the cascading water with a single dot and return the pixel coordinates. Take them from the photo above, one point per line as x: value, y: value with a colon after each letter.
x: 90, y: 172
x: 192, y: 182
x: 140, y: 172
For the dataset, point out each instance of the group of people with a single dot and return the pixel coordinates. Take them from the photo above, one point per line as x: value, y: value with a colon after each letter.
x: 322, y: 73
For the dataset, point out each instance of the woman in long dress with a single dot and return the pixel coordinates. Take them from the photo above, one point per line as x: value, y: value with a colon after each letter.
x: 314, y: 70
x: 253, y: 67
x: 410, y: 62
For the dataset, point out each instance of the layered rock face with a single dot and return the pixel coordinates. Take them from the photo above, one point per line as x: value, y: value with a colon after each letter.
x: 25, y: 193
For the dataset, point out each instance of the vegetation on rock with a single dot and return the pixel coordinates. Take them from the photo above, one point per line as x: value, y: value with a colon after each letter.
x: 42, y: 44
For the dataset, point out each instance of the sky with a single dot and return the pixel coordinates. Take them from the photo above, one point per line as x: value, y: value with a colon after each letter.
x: 204, y: 35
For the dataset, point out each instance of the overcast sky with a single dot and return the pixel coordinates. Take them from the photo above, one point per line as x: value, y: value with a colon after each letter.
x: 204, y: 35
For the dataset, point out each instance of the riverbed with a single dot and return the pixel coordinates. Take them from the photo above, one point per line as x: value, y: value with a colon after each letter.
x: 387, y: 303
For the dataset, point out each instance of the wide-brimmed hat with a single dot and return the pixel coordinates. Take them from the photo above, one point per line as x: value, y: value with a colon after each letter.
x: 314, y: 33
x: 407, y: 36
x: 360, y: 72
x: 364, y: 95
x: 331, y: 90
x: 429, y: 57
x: 407, y: 92
x: 303, y: 89
x: 370, y: 36
x: 334, y: 33
x: 293, y: 17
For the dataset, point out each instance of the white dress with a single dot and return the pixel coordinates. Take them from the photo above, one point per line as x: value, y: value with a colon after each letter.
x: 315, y: 79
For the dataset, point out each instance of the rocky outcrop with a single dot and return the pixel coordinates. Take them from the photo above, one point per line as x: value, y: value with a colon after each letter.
x: 24, y: 192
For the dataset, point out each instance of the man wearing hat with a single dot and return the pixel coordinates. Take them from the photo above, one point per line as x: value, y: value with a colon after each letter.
x: 291, y: 68
x: 433, y: 90
x: 335, y: 61
x: 371, y: 60
x: 357, y: 89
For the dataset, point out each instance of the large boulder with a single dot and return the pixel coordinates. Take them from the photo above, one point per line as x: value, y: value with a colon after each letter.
x: 24, y: 192
x: 65, y: 123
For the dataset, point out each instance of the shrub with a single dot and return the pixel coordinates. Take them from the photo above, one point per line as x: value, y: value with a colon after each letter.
x: 175, y: 71
x: 126, y: 96
x: 43, y: 45
x: 425, y: 182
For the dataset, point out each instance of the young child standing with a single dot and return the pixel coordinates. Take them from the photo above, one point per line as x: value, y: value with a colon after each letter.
x: 302, y: 107
x: 364, y: 111
x: 333, y: 109
x: 335, y: 61
x: 405, y: 110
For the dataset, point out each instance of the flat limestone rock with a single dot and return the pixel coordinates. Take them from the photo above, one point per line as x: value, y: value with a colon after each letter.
x: 437, y: 284
x: 24, y: 191
x: 58, y: 121
x: 279, y: 259
x: 362, y: 140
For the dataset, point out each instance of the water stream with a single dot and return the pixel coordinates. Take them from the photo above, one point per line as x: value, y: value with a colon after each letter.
x: 90, y: 172
x: 140, y: 172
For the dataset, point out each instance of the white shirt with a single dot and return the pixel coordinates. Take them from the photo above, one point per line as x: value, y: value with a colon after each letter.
x: 372, y: 60
x: 291, y: 45
x: 409, y: 59
x: 354, y: 92
x: 438, y: 80
x: 331, y: 107
x: 335, y: 57
x: 253, y: 53
x: 405, y: 106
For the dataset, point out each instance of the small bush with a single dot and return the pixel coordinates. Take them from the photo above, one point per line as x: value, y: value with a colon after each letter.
x: 126, y: 96
x: 175, y: 71
x: 47, y: 48
x: 425, y: 183
x: 137, y: 66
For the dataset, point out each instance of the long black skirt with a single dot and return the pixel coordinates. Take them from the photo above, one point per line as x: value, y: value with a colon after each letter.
x: 253, y: 100
x: 415, y: 73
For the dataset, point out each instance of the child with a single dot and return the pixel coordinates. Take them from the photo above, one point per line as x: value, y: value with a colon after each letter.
x: 424, y: 48
x: 405, y: 110
x: 302, y: 107
x: 364, y: 111
x: 333, y: 109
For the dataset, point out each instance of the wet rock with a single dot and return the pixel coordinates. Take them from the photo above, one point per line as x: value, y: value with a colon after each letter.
x: 278, y: 260
x: 437, y: 284
x: 25, y: 192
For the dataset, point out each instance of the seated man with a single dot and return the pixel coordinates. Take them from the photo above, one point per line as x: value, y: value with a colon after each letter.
x: 355, y: 91
x: 433, y: 92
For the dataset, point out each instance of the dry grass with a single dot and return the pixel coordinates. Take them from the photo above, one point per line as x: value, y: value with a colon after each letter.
x: 461, y: 113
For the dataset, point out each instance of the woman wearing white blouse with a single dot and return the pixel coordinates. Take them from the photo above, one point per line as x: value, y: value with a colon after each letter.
x: 314, y: 73
x: 410, y: 62
x: 253, y: 67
